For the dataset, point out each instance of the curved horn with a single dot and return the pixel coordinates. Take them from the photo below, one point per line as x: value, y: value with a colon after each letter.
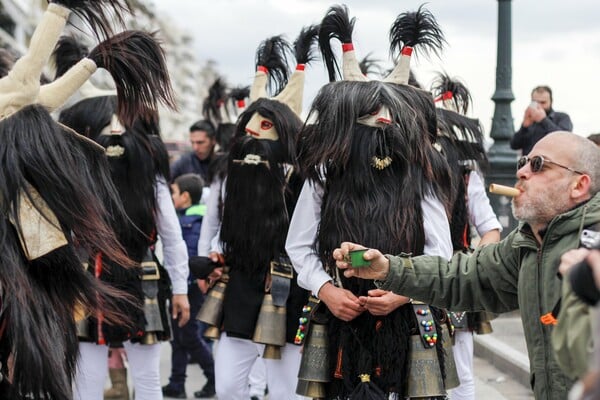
x: 259, y: 85
x: 293, y: 93
x: 350, y: 66
x: 55, y: 94
x: 401, y: 71
x: 20, y: 87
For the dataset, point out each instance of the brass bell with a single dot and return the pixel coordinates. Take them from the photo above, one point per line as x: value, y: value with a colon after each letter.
x: 212, y: 332
x: 424, y: 373
x: 152, y: 315
x: 312, y: 390
x: 314, y: 365
x: 81, y: 322
x: 83, y: 329
x: 272, y: 352
x: 452, y: 379
x: 270, y: 327
x: 483, y: 324
x: 211, y: 311
x: 484, y: 327
x: 149, y: 338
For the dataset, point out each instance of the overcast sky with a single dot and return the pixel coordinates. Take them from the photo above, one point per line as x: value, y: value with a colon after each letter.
x: 554, y: 43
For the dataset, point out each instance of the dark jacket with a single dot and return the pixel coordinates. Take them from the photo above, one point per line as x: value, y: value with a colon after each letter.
x: 190, y: 220
x: 189, y: 163
x: 526, y: 138
x: 515, y: 273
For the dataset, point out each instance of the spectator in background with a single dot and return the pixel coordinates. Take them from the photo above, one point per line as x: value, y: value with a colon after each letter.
x: 203, y: 140
x: 539, y: 120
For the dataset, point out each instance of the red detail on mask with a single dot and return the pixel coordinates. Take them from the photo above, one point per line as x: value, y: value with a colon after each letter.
x: 241, y: 103
x: 252, y: 133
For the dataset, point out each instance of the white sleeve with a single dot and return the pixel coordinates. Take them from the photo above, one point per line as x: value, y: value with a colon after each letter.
x: 174, y: 249
x: 437, y: 228
x: 211, y: 221
x: 301, y: 237
x: 481, y: 214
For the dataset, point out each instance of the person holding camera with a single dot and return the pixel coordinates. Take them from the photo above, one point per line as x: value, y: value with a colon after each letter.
x: 581, y: 269
x: 558, y: 198
x: 539, y: 120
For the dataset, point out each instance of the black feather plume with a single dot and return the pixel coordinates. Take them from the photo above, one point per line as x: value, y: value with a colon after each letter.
x: 417, y: 29
x: 239, y: 93
x: 273, y: 54
x: 461, y: 97
x: 100, y: 15
x: 335, y: 25
x: 304, y: 44
x: 465, y: 133
x: 370, y: 66
x: 137, y: 64
x: 214, y: 100
x: 68, y: 52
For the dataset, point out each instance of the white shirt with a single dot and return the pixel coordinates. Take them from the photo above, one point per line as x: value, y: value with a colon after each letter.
x: 305, y: 223
x: 173, y: 246
x: 211, y: 221
x: 481, y: 214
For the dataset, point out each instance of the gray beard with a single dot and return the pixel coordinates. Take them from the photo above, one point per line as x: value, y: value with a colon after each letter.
x: 544, y: 207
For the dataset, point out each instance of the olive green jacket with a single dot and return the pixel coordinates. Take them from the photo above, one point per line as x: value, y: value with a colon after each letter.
x: 515, y: 273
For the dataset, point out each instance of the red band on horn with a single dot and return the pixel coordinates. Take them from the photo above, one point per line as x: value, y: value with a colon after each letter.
x: 241, y: 104
x: 300, y: 67
x: 444, y: 96
x: 407, y: 51
x: 347, y: 47
x: 262, y: 69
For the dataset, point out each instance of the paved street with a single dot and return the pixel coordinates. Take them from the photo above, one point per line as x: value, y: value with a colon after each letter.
x: 490, y: 383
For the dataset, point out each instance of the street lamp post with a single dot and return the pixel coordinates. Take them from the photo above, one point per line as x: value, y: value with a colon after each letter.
x: 502, y: 158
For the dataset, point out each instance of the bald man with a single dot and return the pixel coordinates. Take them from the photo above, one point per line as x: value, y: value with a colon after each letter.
x: 558, y: 181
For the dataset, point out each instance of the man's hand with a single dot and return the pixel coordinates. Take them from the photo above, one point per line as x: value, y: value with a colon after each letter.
x: 181, y: 308
x: 575, y: 256
x: 202, y: 285
x: 593, y: 260
x: 538, y: 114
x: 341, y: 302
x: 527, y: 118
x: 215, y: 275
x: 382, y: 302
x: 379, y: 268
x: 570, y: 258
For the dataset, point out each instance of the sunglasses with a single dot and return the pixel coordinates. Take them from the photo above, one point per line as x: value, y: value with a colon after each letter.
x: 536, y: 164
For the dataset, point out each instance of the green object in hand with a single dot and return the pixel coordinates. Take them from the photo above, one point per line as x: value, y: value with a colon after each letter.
x: 357, y: 260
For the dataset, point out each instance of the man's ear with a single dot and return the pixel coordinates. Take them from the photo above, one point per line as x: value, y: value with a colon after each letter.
x: 580, y: 188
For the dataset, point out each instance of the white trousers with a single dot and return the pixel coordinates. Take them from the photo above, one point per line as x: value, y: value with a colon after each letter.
x: 234, y: 359
x: 92, y: 371
x: 463, y: 356
x: 258, y: 378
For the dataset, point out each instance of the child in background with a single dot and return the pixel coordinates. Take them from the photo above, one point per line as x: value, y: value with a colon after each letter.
x: 187, y: 342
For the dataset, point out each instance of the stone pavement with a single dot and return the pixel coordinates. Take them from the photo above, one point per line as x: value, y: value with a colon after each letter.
x: 491, y: 381
x: 505, y: 349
